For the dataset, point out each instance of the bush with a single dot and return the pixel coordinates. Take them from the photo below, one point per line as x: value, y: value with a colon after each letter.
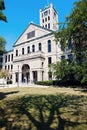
x: 45, y: 83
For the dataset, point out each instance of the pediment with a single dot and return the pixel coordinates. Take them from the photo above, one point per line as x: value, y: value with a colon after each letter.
x: 32, y: 32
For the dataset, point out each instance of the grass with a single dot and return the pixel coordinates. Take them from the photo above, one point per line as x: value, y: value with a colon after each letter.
x: 43, y: 109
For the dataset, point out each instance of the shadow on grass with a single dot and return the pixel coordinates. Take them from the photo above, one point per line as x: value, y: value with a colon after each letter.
x: 43, y: 113
x: 3, y: 95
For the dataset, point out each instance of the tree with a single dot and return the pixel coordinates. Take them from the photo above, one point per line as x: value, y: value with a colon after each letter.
x: 2, y: 45
x: 75, y: 29
x: 2, y: 7
x: 4, y: 73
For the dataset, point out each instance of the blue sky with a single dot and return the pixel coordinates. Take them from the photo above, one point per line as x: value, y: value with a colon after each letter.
x: 21, y: 12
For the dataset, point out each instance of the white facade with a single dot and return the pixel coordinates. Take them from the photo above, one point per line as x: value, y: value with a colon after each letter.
x: 32, y: 53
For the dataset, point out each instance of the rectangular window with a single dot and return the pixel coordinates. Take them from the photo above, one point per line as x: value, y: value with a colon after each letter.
x: 48, y: 18
x: 5, y: 67
x: 11, y: 67
x: 49, y: 25
x: 8, y: 58
x: 16, y: 77
x: 11, y: 57
x: 8, y: 67
x: 30, y: 34
x: 16, y: 52
x: 49, y: 60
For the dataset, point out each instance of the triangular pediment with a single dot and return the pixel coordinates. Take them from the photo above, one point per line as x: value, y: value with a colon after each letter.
x: 33, y: 31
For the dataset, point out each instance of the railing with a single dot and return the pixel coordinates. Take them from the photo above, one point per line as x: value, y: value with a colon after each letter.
x: 33, y: 55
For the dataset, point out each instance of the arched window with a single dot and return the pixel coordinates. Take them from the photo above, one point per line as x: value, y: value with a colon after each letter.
x: 28, y: 49
x: 49, y: 45
x: 22, y: 51
x: 39, y: 47
x: 33, y: 48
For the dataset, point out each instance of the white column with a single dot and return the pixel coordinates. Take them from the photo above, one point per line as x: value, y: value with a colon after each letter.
x: 39, y: 75
x: 31, y: 76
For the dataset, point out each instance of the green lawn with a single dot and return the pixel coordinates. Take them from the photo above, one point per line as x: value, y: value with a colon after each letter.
x: 43, y: 109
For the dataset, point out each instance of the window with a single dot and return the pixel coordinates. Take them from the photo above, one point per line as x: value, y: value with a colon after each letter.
x: 8, y: 67
x: 49, y: 25
x: 54, y: 14
x: 49, y: 60
x: 39, y: 47
x: 30, y: 34
x: 46, y: 26
x: 8, y: 58
x: 69, y: 45
x: 45, y: 13
x: 16, y: 77
x: 11, y: 67
x: 70, y: 58
x: 50, y: 75
x: 28, y: 49
x: 49, y: 45
x: 45, y: 19
x: 33, y: 48
x: 16, y: 52
x: 5, y: 67
x: 42, y: 64
x: 11, y: 77
x: 62, y: 57
x: 48, y: 18
x: 11, y: 57
x: 22, y: 51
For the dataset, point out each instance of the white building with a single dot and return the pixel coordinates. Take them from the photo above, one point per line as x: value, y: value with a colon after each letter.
x: 34, y: 50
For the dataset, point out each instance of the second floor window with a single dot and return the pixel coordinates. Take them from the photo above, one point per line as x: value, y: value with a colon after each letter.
x: 16, y: 52
x: 28, y: 49
x: 11, y: 57
x: 33, y: 48
x: 22, y: 51
x: 49, y: 45
x: 8, y: 58
x: 39, y: 47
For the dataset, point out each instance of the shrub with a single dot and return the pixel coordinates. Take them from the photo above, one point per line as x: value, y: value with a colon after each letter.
x: 47, y: 83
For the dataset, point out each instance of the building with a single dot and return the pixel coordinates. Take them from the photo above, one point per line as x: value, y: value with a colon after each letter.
x: 34, y: 50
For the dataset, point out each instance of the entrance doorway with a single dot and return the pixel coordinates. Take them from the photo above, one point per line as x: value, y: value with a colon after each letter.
x: 25, y: 73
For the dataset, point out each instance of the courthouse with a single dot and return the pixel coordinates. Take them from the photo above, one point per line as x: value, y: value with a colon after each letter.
x: 34, y: 50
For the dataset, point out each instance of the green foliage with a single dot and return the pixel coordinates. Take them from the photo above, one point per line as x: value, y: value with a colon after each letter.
x: 74, y: 30
x: 2, y: 7
x: 2, y: 45
x: 46, y: 83
x: 4, y: 73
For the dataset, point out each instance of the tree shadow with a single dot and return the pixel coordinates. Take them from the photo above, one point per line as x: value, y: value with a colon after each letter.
x: 52, y: 105
x: 42, y: 113
x: 4, y: 95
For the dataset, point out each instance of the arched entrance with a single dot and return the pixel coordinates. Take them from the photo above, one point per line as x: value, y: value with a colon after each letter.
x: 25, y: 73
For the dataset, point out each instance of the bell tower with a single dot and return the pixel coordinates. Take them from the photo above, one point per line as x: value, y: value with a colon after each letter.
x: 49, y: 18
